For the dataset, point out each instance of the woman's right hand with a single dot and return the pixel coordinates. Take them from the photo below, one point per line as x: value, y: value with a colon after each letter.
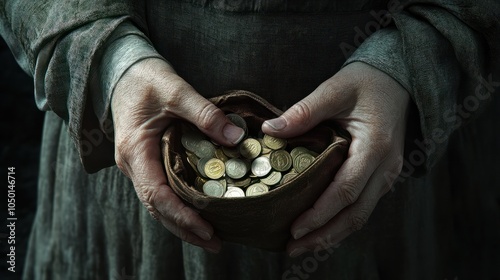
x: 146, y: 100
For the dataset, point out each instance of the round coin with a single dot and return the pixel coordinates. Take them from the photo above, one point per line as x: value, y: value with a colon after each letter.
x: 232, y: 152
x: 201, y: 166
x: 234, y: 192
x: 236, y: 168
x: 302, y: 161
x: 261, y: 166
x: 250, y: 148
x: 204, y: 149
x: 239, y: 122
x: 214, y: 168
x: 287, y: 177
x: 280, y: 160
x: 298, y: 150
x: 190, y: 139
x: 213, y: 188
x: 220, y: 155
x: 274, y: 143
x: 272, y: 178
x: 265, y: 149
x: 257, y: 189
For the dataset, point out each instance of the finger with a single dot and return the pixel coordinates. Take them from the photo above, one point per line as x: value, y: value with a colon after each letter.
x: 327, y: 101
x: 184, y: 222
x: 186, y: 103
x: 345, y: 189
x: 143, y: 165
x: 350, y: 219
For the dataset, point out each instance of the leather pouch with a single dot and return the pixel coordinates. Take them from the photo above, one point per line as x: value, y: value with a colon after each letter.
x: 260, y: 221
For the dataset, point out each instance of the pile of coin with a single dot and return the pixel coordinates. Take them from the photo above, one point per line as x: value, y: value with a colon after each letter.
x: 253, y: 167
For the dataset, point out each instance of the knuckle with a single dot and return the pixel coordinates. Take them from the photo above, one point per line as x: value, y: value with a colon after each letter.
x: 348, y: 193
x: 147, y: 195
x: 207, y: 118
x: 301, y: 112
x: 180, y: 219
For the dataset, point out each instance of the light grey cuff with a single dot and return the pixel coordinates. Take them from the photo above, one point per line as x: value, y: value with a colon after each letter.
x: 384, y: 51
x: 126, y: 46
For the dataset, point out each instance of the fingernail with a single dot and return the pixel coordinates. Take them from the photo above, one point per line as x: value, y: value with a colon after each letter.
x: 300, y: 232
x: 202, y: 234
x: 233, y: 133
x: 276, y: 124
x: 297, y: 252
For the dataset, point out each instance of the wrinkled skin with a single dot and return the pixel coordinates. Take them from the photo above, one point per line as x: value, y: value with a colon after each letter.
x: 365, y: 101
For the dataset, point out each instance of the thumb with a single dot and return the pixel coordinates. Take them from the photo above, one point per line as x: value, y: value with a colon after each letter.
x: 209, y: 119
x: 298, y: 119
x: 333, y: 98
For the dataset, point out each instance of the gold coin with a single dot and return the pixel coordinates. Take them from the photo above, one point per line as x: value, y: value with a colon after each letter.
x: 214, y: 168
x: 199, y: 182
x: 274, y: 143
x: 232, y: 152
x: 265, y: 149
x: 241, y: 183
x: 220, y: 155
x: 298, y: 150
x: 287, y: 178
x: 302, y: 161
x: 256, y: 189
x: 250, y: 148
x: 192, y: 159
x: 272, y: 178
x: 201, y: 166
x: 280, y: 160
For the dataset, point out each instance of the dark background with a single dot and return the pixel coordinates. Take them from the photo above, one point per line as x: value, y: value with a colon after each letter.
x: 21, y: 130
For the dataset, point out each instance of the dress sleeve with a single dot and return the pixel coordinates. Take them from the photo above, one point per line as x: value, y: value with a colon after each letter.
x: 67, y: 48
x: 446, y: 55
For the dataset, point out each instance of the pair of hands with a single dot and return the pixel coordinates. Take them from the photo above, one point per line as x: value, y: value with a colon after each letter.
x: 363, y: 100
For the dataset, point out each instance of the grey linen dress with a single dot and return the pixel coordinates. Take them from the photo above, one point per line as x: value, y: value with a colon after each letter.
x: 442, y: 219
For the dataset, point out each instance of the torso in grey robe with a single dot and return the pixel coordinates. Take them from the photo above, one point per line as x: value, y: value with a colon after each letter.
x: 433, y: 227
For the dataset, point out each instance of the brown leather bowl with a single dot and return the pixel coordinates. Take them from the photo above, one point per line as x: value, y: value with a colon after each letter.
x: 260, y: 221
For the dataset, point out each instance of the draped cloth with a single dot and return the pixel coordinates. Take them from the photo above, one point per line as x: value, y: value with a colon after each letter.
x: 441, y: 220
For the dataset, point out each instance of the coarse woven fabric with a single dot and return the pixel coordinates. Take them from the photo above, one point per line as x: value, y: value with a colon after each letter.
x: 93, y: 226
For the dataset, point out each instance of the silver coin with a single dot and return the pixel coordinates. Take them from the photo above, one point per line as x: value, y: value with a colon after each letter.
x: 234, y: 192
x: 190, y: 138
x: 257, y: 189
x: 205, y: 149
x: 201, y: 166
x: 236, y: 168
x: 213, y: 188
x: 261, y: 166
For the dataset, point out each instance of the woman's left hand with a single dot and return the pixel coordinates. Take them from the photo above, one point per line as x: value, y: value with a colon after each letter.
x: 372, y: 107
